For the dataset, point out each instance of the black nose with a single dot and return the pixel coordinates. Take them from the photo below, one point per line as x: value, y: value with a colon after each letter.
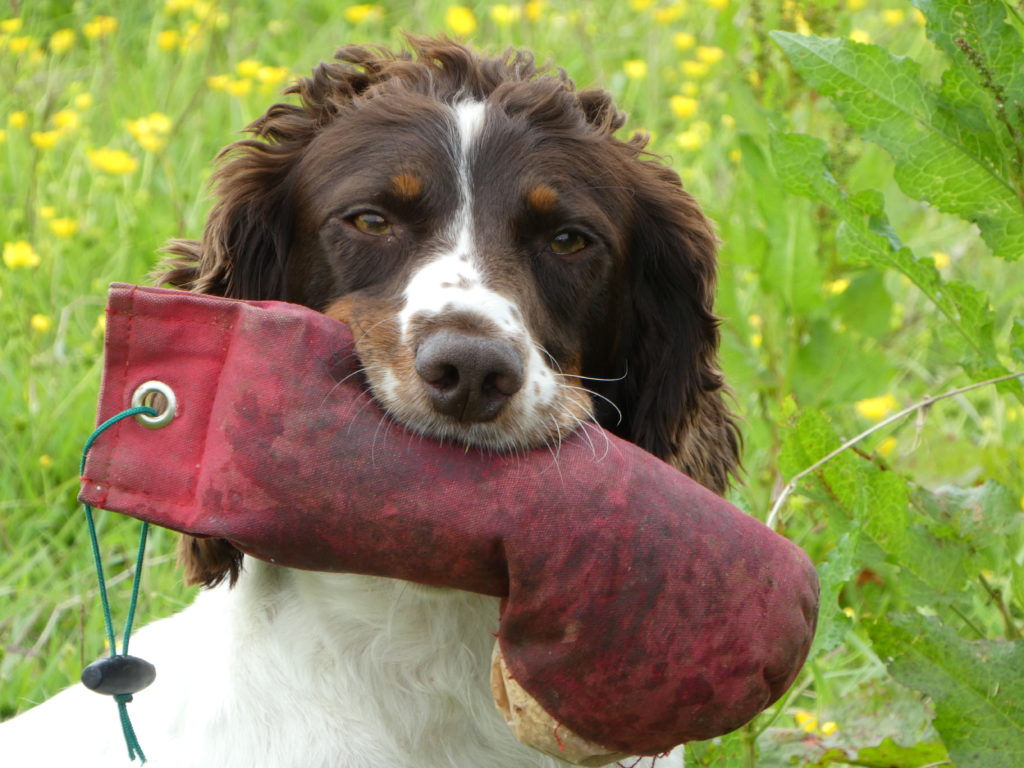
x: 469, y: 377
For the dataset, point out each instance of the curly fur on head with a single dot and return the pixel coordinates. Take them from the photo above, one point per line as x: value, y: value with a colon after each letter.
x: 638, y: 326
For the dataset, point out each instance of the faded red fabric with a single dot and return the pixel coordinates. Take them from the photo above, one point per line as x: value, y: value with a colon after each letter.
x: 639, y: 609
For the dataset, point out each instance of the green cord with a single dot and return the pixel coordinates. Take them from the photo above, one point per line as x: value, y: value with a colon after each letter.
x: 122, y: 699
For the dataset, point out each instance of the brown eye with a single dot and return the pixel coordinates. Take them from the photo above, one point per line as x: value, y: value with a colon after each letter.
x: 568, y: 243
x: 372, y: 224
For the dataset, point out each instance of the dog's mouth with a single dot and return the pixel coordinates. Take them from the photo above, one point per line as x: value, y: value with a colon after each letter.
x: 465, y: 383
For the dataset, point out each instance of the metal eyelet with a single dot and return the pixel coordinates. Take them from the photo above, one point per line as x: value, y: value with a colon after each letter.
x: 160, y: 398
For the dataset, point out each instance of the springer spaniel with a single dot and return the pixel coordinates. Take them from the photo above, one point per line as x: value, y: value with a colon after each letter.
x: 512, y: 271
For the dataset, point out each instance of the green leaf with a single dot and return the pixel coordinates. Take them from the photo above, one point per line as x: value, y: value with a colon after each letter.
x: 840, y: 567
x: 977, y: 687
x: 982, y: 26
x: 864, y: 234
x: 727, y: 751
x: 889, y: 754
x: 884, y: 98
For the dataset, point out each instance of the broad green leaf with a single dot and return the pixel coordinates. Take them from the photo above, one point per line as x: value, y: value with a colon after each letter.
x: 972, y: 514
x: 884, y: 98
x: 840, y: 567
x: 889, y: 754
x: 977, y: 687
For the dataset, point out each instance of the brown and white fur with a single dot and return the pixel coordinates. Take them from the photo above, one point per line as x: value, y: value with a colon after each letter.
x: 512, y: 272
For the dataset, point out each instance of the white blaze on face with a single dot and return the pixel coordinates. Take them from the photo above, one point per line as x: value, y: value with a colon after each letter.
x: 454, y: 281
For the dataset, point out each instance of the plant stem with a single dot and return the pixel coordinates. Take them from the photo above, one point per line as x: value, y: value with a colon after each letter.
x: 791, y: 486
x: 1012, y: 633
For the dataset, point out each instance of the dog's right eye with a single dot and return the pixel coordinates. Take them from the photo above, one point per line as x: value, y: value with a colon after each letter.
x: 372, y: 224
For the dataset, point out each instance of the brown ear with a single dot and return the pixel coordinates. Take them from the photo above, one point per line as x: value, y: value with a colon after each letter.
x: 672, y: 396
x: 209, y: 561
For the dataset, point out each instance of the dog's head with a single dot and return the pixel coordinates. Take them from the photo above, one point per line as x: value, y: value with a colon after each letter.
x: 509, y: 267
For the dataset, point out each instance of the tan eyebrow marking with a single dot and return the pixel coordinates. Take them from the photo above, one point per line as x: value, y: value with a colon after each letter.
x: 406, y: 185
x: 542, y: 198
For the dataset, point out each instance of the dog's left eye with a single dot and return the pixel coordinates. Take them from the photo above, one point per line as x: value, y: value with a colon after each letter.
x: 568, y: 242
x: 371, y: 224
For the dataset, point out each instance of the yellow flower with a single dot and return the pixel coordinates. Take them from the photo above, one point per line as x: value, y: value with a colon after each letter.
x: 718, y: 4
x: 10, y: 26
x: 168, y: 40
x: 735, y: 155
x: 860, y: 36
x: 690, y: 140
x: 640, y: 5
x: 356, y: 14
x: 20, y: 255
x: 3, y: 135
x: 885, y: 448
x: 99, y: 27
x: 856, y: 5
x: 877, y: 408
x: 728, y: 121
x: 64, y: 227
x: 159, y: 122
x: 836, y: 287
x: 807, y: 721
x: 45, y: 139
x: 83, y: 100
x: 460, y: 20
x: 683, y: 106
x: 801, y: 25
x: 40, y: 323
x: 893, y: 17
x: 115, y: 161
x: 756, y: 340
x: 201, y: 10
x: 684, y: 41
x: 218, y: 82
x: 534, y: 10
x: 503, y: 15
x: 271, y: 75
x: 45, y: 461
x: 636, y: 69
x: 919, y: 18
x: 239, y: 87
x: 828, y: 728
x: 177, y: 6
x: 20, y: 44
x: 710, y: 54
x: 62, y: 40
x: 248, y: 67
x: 47, y: 212
x: 848, y: 610
x: 669, y: 14
x: 941, y: 259
x: 149, y: 131
x: 65, y: 119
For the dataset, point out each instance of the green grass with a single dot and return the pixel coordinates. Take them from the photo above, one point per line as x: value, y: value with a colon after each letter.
x: 792, y: 338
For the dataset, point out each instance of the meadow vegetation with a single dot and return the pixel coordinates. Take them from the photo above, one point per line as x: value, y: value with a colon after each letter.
x: 864, y: 163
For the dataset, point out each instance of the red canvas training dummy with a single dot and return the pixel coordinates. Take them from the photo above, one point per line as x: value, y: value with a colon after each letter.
x: 639, y: 610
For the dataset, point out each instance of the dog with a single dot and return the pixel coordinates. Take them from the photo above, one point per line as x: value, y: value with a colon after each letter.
x: 512, y: 271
